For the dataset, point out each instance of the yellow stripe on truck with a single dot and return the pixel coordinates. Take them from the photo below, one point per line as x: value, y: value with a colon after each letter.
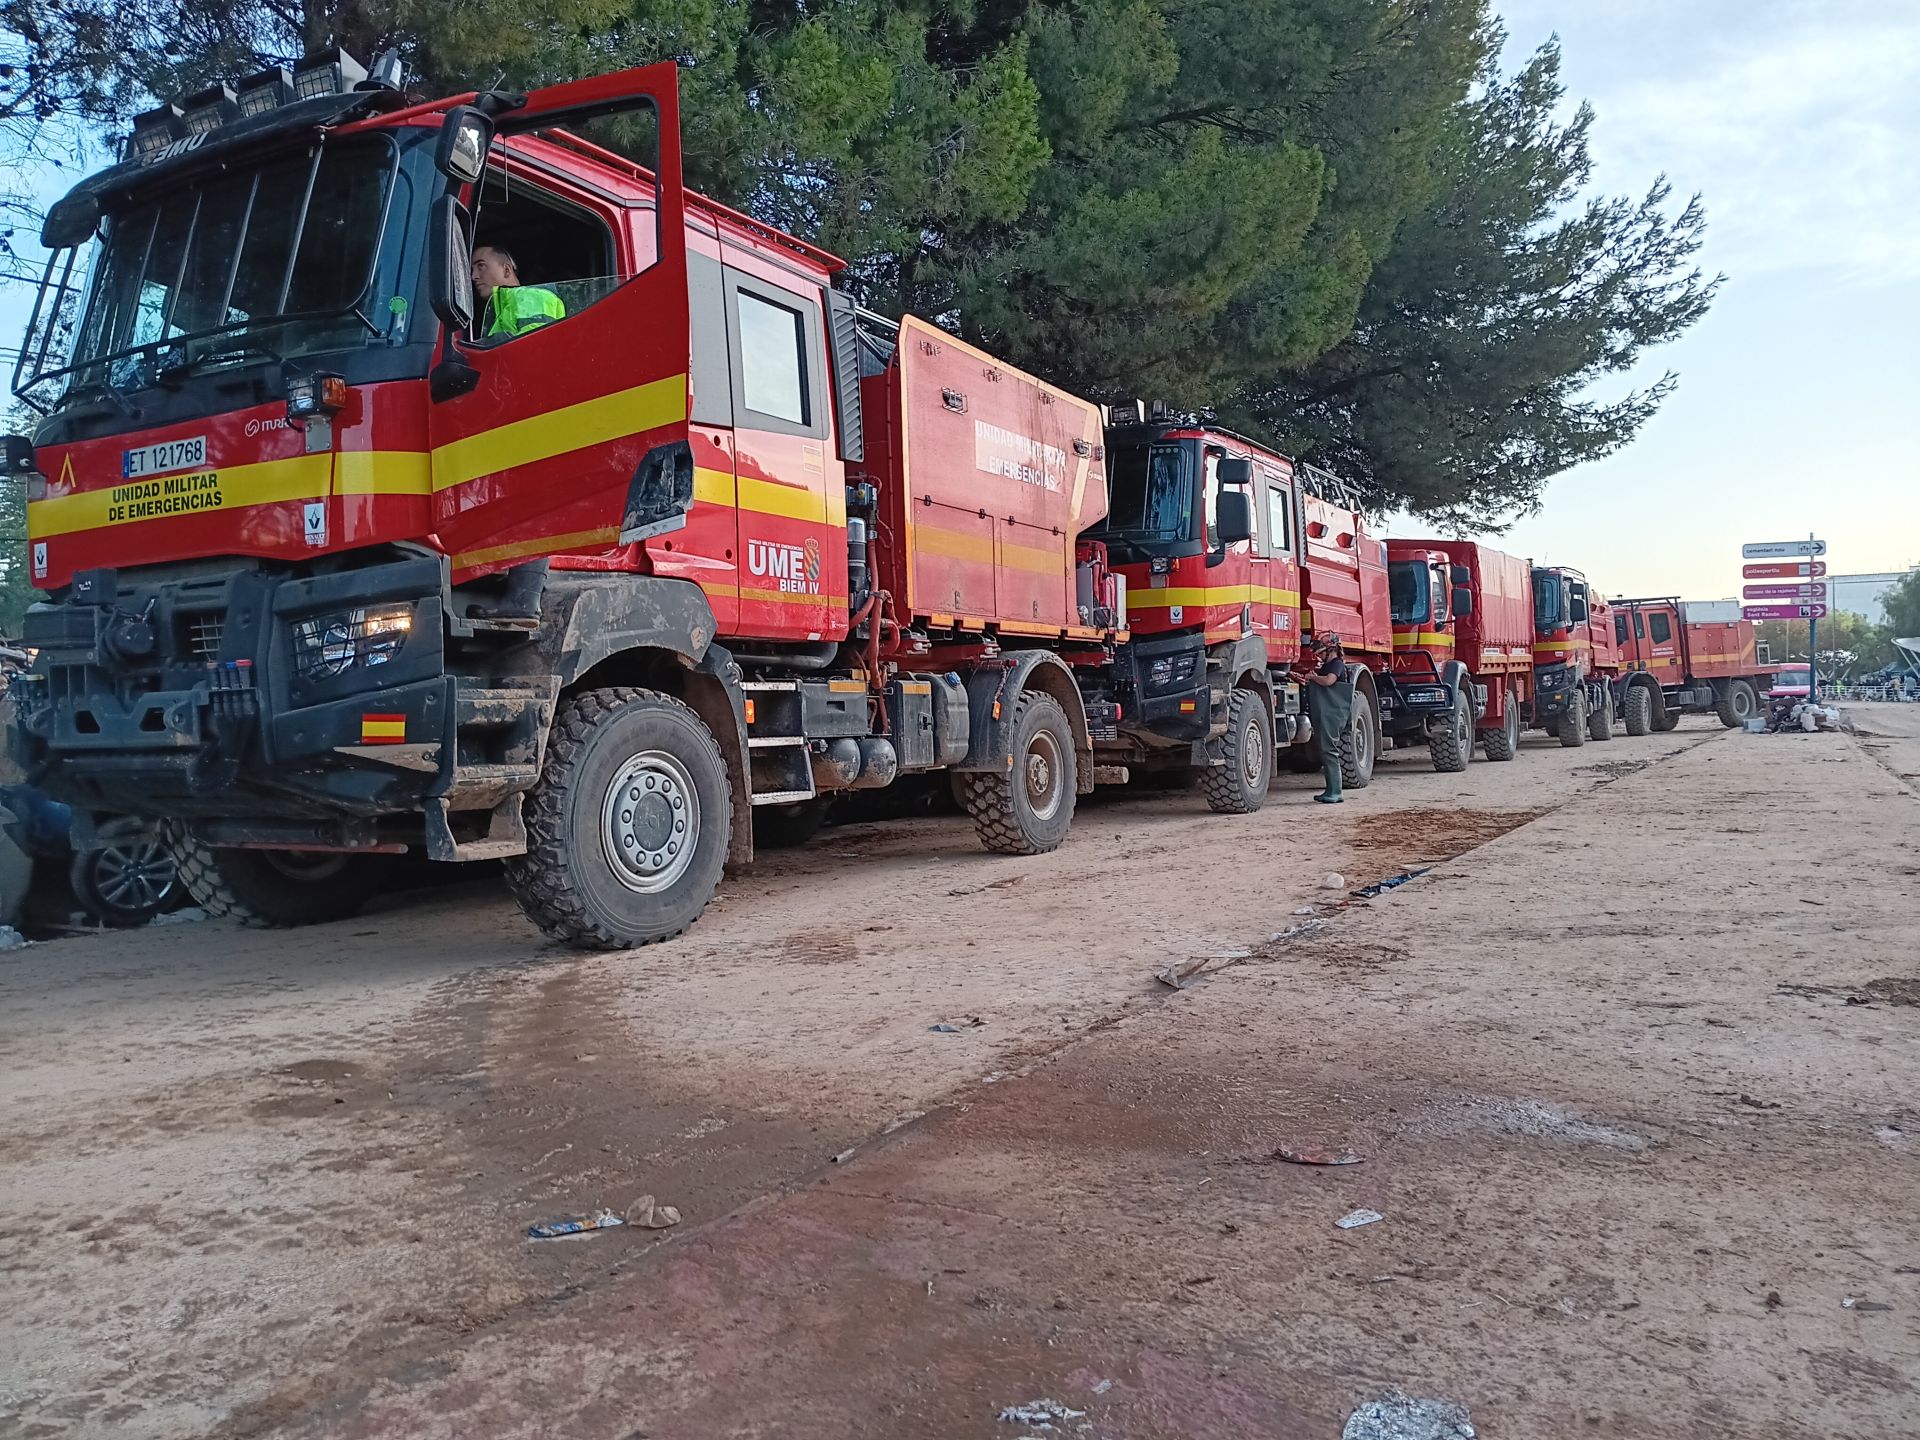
x: 560, y: 432
x: 269, y: 482
x: 1413, y: 639
x: 1151, y: 599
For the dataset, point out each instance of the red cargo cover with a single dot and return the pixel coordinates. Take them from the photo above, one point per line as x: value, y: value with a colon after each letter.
x: 1344, y: 587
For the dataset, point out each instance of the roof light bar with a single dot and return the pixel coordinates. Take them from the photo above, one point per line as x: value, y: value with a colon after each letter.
x: 207, y: 110
x: 154, y: 131
x: 266, y: 90
x: 330, y: 72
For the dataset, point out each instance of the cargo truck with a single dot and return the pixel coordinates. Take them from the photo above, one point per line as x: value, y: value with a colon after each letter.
x: 1682, y: 657
x: 1232, y: 555
x: 1462, y: 650
x: 1576, y: 662
x: 333, y: 567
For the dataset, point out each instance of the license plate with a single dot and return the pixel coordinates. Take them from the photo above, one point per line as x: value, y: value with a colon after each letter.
x: 164, y: 458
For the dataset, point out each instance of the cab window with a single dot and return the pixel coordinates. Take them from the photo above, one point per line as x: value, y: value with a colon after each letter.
x: 1279, y: 536
x: 778, y: 353
x: 1620, y: 629
x: 1661, y: 626
x: 553, y: 248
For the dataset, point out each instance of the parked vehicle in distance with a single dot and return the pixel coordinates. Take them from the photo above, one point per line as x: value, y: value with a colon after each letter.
x: 1575, y: 660
x: 1794, y: 678
x: 1687, y: 657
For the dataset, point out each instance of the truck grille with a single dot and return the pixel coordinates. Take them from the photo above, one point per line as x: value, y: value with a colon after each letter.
x: 204, y: 634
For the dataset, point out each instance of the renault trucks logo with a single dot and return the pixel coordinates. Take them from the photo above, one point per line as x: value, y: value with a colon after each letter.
x: 796, y: 568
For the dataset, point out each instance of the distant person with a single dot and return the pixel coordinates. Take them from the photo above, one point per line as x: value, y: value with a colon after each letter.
x: 1323, y: 669
x: 507, y: 307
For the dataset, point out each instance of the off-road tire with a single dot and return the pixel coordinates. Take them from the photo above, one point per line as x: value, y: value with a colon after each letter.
x: 1452, y: 752
x: 1358, y: 759
x: 1239, y: 787
x: 271, y: 889
x: 1002, y: 806
x: 566, y: 882
x: 1665, y: 719
x: 1639, y: 710
x: 1504, y: 743
x: 783, y: 827
x: 1600, y: 718
x: 1573, y: 721
x: 1736, y: 704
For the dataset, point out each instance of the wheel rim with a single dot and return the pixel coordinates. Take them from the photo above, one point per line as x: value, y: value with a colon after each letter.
x: 1362, y: 741
x: 307, y: 867
x: 1743, y: 704
x: 650, y: 822
x: 1044, y: 773
x: 1251, y: 763
x: 1513, y: 718
x: 136, y: 876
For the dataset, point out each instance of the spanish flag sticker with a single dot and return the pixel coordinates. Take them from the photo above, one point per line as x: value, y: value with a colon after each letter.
x: 383, y: 729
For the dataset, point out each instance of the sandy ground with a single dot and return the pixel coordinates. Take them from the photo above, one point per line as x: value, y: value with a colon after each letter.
x: 1629, y: 1069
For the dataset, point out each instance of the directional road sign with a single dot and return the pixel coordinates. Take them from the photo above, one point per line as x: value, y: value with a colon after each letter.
x: 1784, y: 592
x: 1783, y: 612
x: 1784, y: 570
x: 1778, y: 549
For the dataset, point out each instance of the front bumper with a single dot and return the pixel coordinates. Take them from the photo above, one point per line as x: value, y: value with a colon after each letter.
x: 1162, y: 683
x: 244, y: 693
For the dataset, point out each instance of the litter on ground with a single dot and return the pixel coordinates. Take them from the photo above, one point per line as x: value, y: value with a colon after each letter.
x: 1403, y: 1417
x: 1353, y: 1219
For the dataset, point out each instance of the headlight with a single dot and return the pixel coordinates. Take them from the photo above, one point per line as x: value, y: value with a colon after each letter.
x: 1428, y: 696
x: 330, y: 645
x: 1170, y: 670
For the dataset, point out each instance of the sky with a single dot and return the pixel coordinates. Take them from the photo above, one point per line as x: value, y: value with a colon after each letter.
x: 1798, y: 410
x: 1798, y: 121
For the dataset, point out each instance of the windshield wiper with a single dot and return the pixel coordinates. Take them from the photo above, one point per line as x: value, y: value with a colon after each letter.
x: 175, y: 371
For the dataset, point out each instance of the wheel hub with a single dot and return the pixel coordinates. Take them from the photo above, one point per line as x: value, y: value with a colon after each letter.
x: 1043, y: 776
x: 650, y: 822
x: 1250, y: 759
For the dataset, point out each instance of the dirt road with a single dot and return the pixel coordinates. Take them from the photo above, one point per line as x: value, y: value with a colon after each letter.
x: 1629, y: 1067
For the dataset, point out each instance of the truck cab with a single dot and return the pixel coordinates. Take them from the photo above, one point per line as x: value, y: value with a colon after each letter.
x: 1429, y: 696
x: 1574, y: 657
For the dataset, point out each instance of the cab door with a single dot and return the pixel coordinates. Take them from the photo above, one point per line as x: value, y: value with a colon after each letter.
x: 567, y: 437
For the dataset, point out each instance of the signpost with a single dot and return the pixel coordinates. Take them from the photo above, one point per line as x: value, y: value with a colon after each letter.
x: 1786, y: 612
x: 1805, y: 601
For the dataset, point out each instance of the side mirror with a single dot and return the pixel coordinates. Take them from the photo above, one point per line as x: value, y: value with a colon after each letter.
x: 1233, y: 517
x: 1462, y: 602
x: 450, y: 263
x: 461, y: 154
x: 71, y: 222
x: 1462, y: 575
x: 1234, y: 470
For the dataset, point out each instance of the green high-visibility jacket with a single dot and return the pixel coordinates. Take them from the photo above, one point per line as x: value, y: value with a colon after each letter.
x: 514, y: 309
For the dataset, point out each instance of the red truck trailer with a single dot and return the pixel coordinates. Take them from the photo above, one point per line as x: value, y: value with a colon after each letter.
x: 1576, y: 662
x: 1462, y: 649
x: 1231, y: 555
x: 1683, y: 657
x: 329, y: 571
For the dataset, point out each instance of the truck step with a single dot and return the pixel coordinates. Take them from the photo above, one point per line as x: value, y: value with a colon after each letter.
x: 482, y: 787
x: 766, y: 686
x: 769, y: 742
x: 505, y: 835
x: 485, y: 707
x: 782, y: 797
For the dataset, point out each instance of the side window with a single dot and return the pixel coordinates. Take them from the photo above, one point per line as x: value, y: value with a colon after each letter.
x: 1662, y: 628
x: 773, y: 359
x: 1620, y: 629
x: 778, y: 352
x: 538, y: 258
x: 1279, y: 516
x: 1639, y: 626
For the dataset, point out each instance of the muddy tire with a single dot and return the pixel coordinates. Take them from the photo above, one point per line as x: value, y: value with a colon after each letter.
x: 1665, y: 719
x: 1239, y: 787
x: 1600, y: 718
x: 1736, y: 704
x: 627, y: 827
x: 1360, y: 746
x: 1027, y: 809
x: 271, y: 889
x: 1573, y: 721
x: 1504, y: 743
x: 1639, y: 710
x: 1453, y: 750
x: 783, y: 827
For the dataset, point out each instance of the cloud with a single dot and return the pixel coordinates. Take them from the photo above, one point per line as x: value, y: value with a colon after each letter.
x: 1796, y: 121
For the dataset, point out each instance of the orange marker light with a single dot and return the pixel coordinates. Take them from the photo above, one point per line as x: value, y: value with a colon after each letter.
x: 749, y: 712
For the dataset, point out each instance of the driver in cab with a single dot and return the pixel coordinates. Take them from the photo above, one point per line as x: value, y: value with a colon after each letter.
x: 508, y: 308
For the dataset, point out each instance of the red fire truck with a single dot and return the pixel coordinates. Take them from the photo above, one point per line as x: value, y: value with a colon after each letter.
x: 1687, y: 658
x: 331, y: 570
x: 1462, y: 649
x: 1576, y: 663
x: 1231, y: 554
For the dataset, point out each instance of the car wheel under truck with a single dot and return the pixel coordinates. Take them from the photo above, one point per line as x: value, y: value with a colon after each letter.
x: 627, y: 827
x: 1239, y: 787
x: 1027, y: 809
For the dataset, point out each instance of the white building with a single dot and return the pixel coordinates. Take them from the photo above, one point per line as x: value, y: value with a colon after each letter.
x: 1862, y: 594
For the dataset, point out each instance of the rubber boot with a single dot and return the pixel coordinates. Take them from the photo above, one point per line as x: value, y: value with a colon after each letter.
x: 1331, y: 795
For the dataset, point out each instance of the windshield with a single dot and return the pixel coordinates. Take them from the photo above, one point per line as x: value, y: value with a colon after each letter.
x: 1547, y: 610
x: 278, y: 261
x: 1407, y: 590
x: 1152, y: 492
x: 1793, y: 674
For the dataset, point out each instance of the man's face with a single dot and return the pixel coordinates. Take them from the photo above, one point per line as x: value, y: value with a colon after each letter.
x: 490, y: 271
